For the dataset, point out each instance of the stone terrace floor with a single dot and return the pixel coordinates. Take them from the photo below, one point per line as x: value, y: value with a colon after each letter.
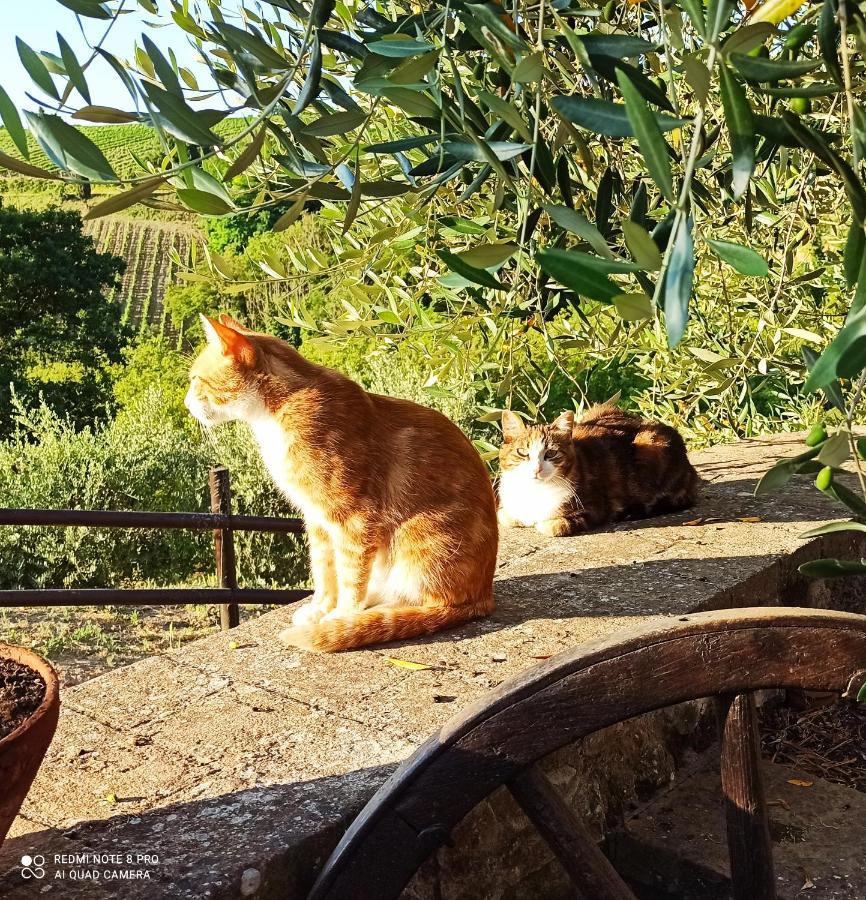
x: 238, y: 762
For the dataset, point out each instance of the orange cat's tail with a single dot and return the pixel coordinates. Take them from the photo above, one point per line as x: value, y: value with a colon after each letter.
x: 378, y: 625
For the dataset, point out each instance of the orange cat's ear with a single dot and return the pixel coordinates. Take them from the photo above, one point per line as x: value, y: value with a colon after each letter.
x: 565, y: 422
x: 512, y: 425
x: 231, y: 343
x: 228, y: 321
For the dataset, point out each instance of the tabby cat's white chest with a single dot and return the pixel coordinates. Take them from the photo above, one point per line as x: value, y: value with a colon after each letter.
x: 529, y: 500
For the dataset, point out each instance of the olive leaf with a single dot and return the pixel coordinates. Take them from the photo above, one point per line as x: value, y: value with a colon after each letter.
x: 12, y: 122
x: 741, y: 127
x: 642, y: 247
x: 579, y: 272
x: 68, y: 148
x: 36, y: 68
x: 649, y: 136
x: 73, y: 69
x: 605, y: 117
x: 745, y: 260
x: 678, y: 282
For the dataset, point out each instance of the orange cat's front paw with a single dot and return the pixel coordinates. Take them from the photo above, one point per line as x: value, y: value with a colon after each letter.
x: 556, y: 527
x: 301, y: 636
x: 308, y: 613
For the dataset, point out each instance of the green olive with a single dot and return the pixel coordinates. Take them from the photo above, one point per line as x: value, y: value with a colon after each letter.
x: 798, y: 36
x: 608, y: 12
x: 824, y: 478
x: 816, y: 436
x: 861, y: 447
x: 800, y: 105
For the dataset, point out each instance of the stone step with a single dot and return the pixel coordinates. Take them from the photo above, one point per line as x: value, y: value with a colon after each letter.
x: 675, y: 845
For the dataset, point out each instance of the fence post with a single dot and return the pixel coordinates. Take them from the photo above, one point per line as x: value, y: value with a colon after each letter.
x: 224, y: 543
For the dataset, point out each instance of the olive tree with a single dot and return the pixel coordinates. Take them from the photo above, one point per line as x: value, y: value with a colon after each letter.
x: 533, y: 158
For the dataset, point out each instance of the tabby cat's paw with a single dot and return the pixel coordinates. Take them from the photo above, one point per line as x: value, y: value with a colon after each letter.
x: 557, y: 527
x: 505, y: 520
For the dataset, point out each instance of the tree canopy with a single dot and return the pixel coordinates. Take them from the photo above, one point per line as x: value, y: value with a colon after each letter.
x: 635, y: 128
x: 58, y: 333
x: 512, y: 161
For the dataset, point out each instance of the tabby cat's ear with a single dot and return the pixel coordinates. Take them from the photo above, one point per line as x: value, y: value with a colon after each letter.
x: 230, y: 342
x: 564, y: 422
x: 512, y: 425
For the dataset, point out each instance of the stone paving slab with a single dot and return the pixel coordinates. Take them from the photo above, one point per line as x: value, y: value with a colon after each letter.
x: 239, y: 767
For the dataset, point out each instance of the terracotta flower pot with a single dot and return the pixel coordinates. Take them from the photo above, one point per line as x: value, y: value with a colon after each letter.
x: 22, y: 751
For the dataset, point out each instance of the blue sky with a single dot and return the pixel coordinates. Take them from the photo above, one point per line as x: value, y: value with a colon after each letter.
x: 38, y: 21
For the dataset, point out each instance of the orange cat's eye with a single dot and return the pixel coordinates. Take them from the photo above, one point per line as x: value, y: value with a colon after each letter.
x: 522, y: 452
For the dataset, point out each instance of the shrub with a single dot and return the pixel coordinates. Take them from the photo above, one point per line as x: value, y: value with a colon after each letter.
x: 152, y: 363
x: 143, y: 460
x: 184, y: 302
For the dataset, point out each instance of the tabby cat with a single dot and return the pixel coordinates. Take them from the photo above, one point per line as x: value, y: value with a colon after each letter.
x: 400, y: 513
x: 565, y: 478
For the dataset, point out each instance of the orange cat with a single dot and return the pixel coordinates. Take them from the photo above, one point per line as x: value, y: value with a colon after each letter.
x: 400, y: 513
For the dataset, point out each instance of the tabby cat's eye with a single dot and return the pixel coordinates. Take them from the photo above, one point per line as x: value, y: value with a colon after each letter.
x: 522, y: 452
x: 551, y: 454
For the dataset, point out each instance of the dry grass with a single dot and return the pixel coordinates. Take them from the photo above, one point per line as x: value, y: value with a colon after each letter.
x: 83, y: 642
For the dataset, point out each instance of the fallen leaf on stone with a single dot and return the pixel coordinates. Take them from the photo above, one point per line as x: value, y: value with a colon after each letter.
x: 111, y: 798
x: 406, y: 664
x: 233, y: 645
x: 780, y: 802
x: 442, y: 698
x: 545, y: 656
x: 693, y: 522
x: 750, y: 519
x: 808, y: 884
x: 498, y: 657
x: 797, y: 782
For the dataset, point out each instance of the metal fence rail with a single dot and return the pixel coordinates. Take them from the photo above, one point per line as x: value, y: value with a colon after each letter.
x: 228, y: 595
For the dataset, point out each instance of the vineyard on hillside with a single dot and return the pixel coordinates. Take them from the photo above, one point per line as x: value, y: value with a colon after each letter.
x: 153, y: 252
x: 152, y: 248
x: 121, y: 144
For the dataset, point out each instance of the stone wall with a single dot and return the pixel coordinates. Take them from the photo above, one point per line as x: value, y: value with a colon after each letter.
x: 239, y: 763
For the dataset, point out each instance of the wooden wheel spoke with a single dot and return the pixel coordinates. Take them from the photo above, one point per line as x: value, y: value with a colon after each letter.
x: 749, y: 846
x: 590, y: 871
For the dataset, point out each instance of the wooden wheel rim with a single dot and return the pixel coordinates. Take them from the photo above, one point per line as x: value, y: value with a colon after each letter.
x: 576, y: 693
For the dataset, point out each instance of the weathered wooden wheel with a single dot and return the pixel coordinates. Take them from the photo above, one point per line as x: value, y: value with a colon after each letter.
x: 497, y: 740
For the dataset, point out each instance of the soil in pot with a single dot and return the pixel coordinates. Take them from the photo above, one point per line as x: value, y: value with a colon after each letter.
x: 21, y: 692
